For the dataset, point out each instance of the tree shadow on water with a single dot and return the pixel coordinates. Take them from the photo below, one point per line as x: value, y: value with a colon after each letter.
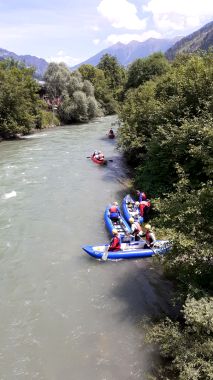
x: 144, y: 292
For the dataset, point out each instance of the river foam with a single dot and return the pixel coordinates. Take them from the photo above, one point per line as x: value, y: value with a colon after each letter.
x: 12, y: 194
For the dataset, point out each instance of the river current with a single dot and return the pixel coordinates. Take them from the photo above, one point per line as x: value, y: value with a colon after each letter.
x: 63, y: 314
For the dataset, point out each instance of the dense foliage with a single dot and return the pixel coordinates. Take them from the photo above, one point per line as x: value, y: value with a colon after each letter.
x: 103, y: 94
x: 144, y: 69
x: 19, y: 101
x: 108, y: 79
x: 183, y: 93
x: 114, y: 73
x: 167, y: 135
x: 76, y: 95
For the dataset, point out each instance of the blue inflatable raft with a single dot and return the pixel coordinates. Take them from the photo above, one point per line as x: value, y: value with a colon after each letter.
x: 129, y: 211
x: 121, y: 225
x: 132, y: 250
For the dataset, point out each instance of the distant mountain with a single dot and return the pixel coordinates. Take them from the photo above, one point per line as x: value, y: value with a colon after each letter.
x: 202, y: 39
x: 127, y: 53
x: 30, y: 61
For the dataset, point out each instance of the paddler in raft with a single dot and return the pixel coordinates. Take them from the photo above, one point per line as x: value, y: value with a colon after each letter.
x: 115, y: 243
x: 136, y: 229
x: 114, y: 212
x: 98, y: 155
x: 141, y: 195
x: 111, y: 134
x: 149, y: 235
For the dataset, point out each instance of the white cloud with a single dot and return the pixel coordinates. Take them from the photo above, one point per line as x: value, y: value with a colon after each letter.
x: 121, y: 14
x: 62, y: 57
x: 179, y: 14
x: 95, y: 28
x: 96, y: 41
x: 60, y: 53
x: 128, y: 37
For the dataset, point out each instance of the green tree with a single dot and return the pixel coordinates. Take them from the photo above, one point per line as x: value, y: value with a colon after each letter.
x: 144, y: 69
x: 141, y: 114
x: 77, y: 101
x: 189, y: 146
x: 186, y: 345
x: 167, y: 133
x: 19, y: 101
x: 92, y: 107
x: 56, y: 78
x: 187, y: 351
x: 183, y: 93
x: 103, y: 94
x: 114, y: 73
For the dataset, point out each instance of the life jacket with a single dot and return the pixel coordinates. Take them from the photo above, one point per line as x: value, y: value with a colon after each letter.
x: 115, y: 244
x: 137, y: 229
x: 150, y: 237
x: 113, y: 209
x: 144, y: 207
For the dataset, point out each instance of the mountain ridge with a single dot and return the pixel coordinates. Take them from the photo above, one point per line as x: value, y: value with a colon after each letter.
x: 39, y: 64
x: 127, y: 53
x: 201, y: 39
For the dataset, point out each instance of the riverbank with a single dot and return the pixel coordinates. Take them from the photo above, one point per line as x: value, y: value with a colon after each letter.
x: 33, y: 131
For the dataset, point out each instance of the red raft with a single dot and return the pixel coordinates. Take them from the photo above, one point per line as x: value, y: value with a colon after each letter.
x: 99, y: 162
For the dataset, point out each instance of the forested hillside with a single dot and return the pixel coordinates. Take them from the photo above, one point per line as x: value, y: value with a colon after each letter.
x: 202, y: 39
x: 167, y: 137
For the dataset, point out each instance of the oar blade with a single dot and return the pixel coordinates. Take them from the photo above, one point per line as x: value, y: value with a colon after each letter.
x: 105, y: 254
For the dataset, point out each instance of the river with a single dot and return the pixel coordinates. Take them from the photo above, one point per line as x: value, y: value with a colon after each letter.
x: 63, y: 314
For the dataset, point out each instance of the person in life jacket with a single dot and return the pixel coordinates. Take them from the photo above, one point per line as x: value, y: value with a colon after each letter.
x: 136, y: 210
x: 150, y: 236
x: 95, y: 153
x: 136, y: 229
x: 100, y: 156
x: 111, y: 133
x: 114, y: 212
x: 115, y: 243
x: 144, y: 208
x: 141, y: 195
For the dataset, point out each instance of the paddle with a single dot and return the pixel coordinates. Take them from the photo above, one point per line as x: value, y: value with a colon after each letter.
x: 164, y: 246
x: 105, y: 254
x: 152, y: 249
x: 106, y: 160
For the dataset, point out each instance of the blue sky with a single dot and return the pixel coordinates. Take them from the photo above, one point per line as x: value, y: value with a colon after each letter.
x: 74, y: 30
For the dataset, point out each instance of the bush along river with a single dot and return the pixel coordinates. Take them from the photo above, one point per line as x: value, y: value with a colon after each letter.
x: 63, y: 314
